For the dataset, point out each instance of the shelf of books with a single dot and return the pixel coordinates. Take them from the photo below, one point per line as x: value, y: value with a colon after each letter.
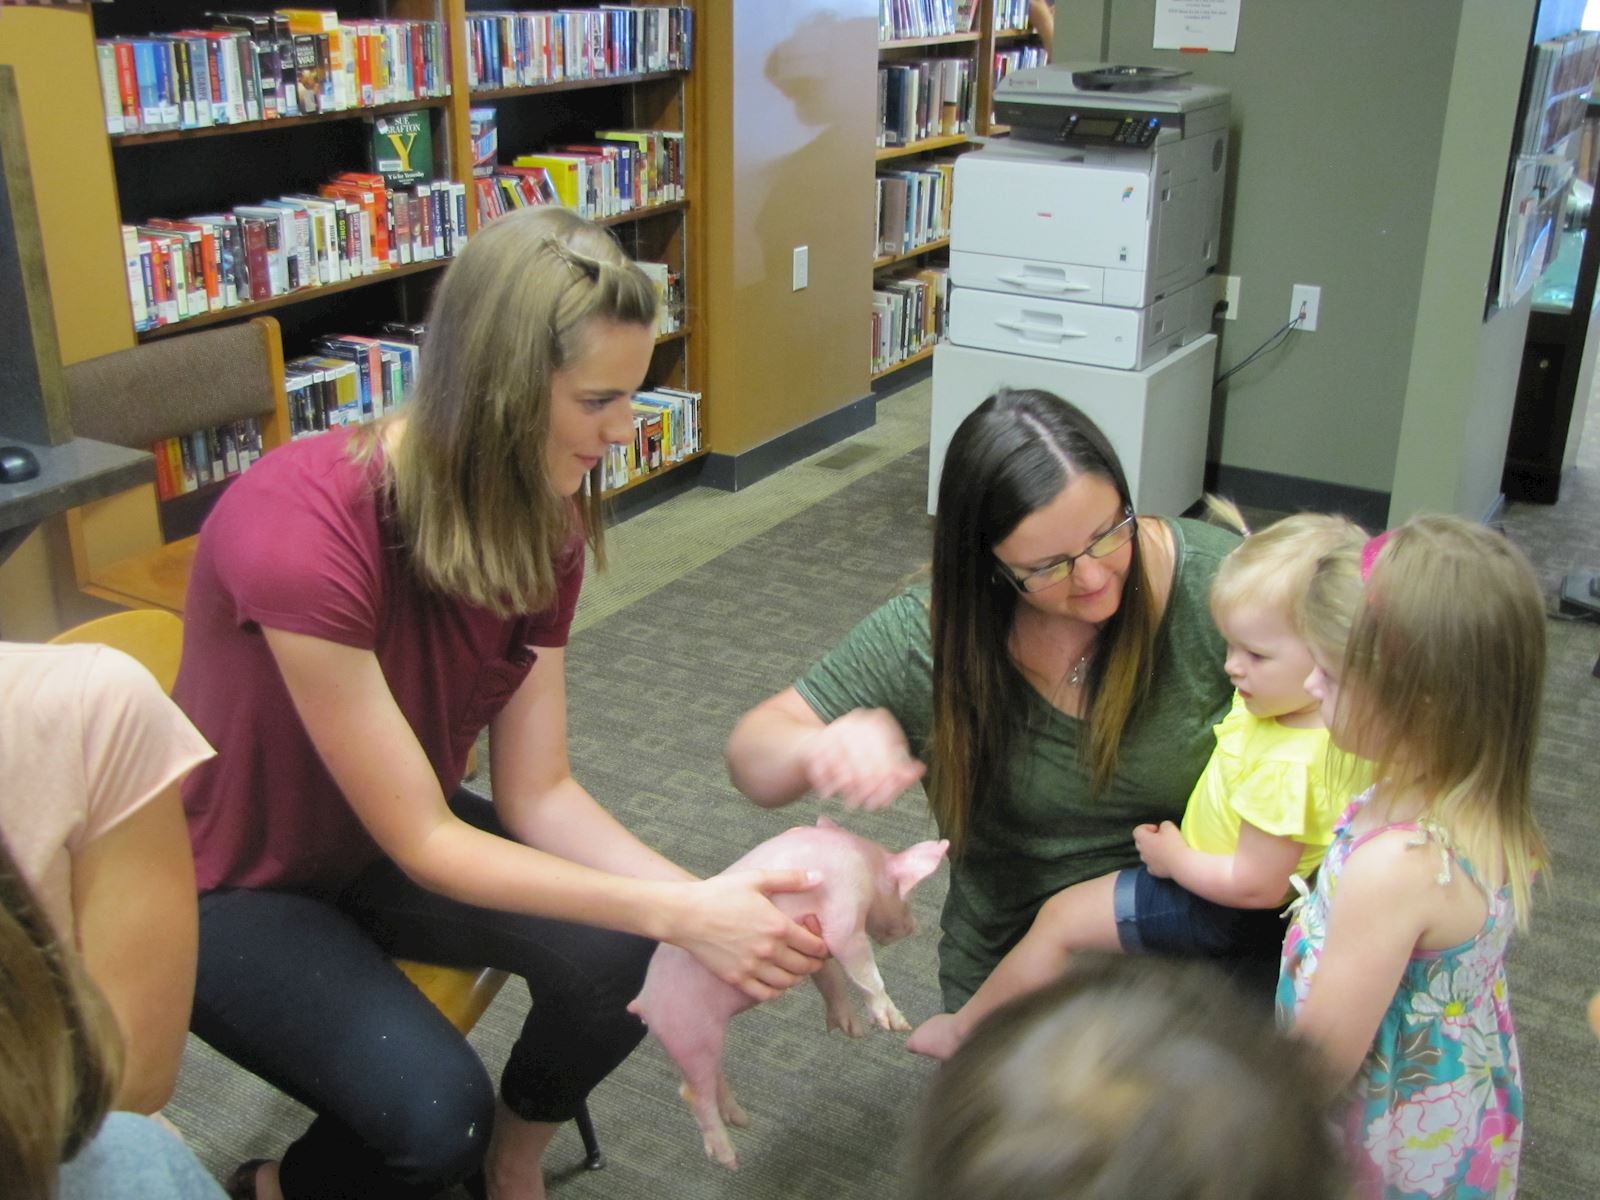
x: 1014, y: 44
x: 938, y: 64
x: 364, y: 144
x: 590, y: 109
x: 928, y: 75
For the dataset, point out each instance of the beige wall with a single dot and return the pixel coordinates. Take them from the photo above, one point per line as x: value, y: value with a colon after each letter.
x: 52, y: 53
x: 789, y: 108
x: 1369, y: 158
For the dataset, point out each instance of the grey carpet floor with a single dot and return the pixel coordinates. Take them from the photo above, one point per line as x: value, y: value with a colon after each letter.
x: 655, y: 687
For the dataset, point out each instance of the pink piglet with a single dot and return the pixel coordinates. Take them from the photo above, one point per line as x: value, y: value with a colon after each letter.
x: 862, y: 896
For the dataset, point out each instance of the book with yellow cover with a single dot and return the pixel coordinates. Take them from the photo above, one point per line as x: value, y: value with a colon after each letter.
x: 567, y: 175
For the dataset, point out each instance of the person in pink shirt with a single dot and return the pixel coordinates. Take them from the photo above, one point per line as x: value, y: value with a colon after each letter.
x: 362, y: 604
x: 92, y: 752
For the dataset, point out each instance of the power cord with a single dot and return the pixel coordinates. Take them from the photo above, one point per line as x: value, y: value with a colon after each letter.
x: 1270, y: 344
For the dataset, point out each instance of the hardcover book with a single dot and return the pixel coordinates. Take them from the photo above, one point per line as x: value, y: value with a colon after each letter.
x: 402, y: 147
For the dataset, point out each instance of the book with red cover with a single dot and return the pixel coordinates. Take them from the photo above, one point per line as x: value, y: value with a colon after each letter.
x: 257, y: 263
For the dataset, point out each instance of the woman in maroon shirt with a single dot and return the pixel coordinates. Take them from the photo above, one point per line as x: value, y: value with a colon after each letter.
x: 362, y: 604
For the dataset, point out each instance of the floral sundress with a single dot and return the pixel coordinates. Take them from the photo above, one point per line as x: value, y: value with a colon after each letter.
x: 1436, y: 1108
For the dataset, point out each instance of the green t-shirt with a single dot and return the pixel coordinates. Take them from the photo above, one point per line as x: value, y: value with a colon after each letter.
x: 1051, y: 833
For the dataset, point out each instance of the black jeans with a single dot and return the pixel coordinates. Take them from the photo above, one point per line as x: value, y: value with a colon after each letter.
x: 301, y: 991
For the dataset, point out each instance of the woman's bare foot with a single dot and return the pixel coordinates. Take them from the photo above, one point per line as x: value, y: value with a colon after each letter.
x: 514, y: 1169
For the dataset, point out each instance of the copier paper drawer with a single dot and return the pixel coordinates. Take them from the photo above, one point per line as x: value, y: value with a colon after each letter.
x: 1128, y: 339
x: 1063, y: 212
x: 1027, y: 277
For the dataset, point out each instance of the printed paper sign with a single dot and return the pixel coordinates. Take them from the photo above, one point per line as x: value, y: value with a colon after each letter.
x: 1197, y: 24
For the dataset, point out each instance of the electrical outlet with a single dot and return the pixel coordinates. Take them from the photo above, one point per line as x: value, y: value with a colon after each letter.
x: 802, y: 266
x: 1230, y: 297
x: 1304, y: 302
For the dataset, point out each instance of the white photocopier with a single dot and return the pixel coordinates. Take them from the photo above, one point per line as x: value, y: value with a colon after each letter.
x: 1081, y: 256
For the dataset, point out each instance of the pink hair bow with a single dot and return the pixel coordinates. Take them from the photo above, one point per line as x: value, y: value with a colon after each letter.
x: 1369, y: 553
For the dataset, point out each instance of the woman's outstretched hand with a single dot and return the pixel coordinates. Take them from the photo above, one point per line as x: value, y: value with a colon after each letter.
x: 732, y: 926
x: 861, y: 759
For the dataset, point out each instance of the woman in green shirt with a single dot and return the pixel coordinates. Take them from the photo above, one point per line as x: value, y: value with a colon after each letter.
x: 1057, y: 681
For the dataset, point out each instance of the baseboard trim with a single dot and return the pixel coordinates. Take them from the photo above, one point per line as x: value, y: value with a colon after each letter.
x: 1291, y: 493
x: 731, y: 472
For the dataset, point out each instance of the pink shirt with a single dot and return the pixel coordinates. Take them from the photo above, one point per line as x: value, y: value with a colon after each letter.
x: 300, y: 544
x: 87, y: 738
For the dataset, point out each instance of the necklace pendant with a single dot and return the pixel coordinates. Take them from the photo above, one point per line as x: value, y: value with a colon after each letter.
x: 1080, y: 669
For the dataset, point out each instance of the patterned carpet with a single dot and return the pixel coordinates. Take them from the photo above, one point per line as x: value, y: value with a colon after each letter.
x: 657, y: 681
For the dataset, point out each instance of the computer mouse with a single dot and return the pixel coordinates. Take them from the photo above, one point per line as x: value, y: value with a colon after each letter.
x: 17, y: 463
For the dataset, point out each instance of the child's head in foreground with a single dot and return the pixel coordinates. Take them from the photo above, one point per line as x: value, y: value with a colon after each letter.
x: 1131, y: 1078
x: 1257, y: 603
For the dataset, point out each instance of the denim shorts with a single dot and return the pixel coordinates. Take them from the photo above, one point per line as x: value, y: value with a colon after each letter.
x: 1157, y: 916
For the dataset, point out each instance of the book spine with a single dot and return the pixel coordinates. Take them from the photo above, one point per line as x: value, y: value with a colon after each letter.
x: 257, y: 263
x: 178, y: 53
x: 138, y: 309
x: 110, y: 90
x: 285, y: 61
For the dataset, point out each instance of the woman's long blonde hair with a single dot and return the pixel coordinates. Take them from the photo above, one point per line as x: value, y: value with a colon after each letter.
x: 472, y: 495
x: 1012, y: 456
x: 1441, y: 686
x: 60, y: 1053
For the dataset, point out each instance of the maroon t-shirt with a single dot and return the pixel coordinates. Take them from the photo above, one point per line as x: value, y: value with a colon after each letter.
x: 303, y: 543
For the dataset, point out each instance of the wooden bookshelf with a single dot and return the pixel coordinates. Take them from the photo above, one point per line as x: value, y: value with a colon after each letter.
x: 981, y: 45
x: 119, y: 140
x: 300, y: 296
x: 651, y: 476
x: 919, y: 356
x: 532, y: 118
x: 924, y: 146
x: 174, y: 173
x: 483, y: 95
x: 644, y: 214
x: 949, y: 39
x: 901, y: 295
x: 889, y: 260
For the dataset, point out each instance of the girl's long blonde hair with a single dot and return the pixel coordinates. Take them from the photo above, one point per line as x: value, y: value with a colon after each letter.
x: 472, y: 495
x: 60, y: 1053
x: 1441, y: 686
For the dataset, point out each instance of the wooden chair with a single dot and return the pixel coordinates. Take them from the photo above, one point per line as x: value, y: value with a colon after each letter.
x: 138, y: 397
x: 154, y: 638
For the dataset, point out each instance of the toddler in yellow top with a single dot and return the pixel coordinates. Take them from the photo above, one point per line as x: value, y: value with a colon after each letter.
x: 1261, y: 813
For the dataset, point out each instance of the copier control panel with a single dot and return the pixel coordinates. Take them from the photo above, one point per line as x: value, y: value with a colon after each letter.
x: 1085, y: 126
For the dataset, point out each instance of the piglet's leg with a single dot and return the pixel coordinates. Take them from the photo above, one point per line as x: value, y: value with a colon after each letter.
x: 698, y: 1053
x: 855, y: 955
x: 830, y: 981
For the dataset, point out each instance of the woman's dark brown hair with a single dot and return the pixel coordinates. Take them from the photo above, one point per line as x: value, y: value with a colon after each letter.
x: 1008, y: 459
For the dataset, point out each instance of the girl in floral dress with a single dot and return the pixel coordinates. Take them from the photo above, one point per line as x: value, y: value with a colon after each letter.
x: 1395, y: 965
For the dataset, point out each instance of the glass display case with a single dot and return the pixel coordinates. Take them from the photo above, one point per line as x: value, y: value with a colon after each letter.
x: 1558, y: 356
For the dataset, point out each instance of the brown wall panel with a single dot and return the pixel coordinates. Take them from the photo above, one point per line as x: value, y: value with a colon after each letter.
x: 790, y: 116
x: 52, y: 51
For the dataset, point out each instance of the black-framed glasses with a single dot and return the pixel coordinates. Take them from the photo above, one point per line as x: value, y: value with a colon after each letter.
x: 1107, y: 544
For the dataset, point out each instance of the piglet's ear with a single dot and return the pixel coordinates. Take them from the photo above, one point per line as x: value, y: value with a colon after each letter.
x: 825, y: 823
x: 915, y: 863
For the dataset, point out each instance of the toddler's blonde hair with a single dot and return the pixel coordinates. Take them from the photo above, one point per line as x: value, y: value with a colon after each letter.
x: 1274, y: 568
